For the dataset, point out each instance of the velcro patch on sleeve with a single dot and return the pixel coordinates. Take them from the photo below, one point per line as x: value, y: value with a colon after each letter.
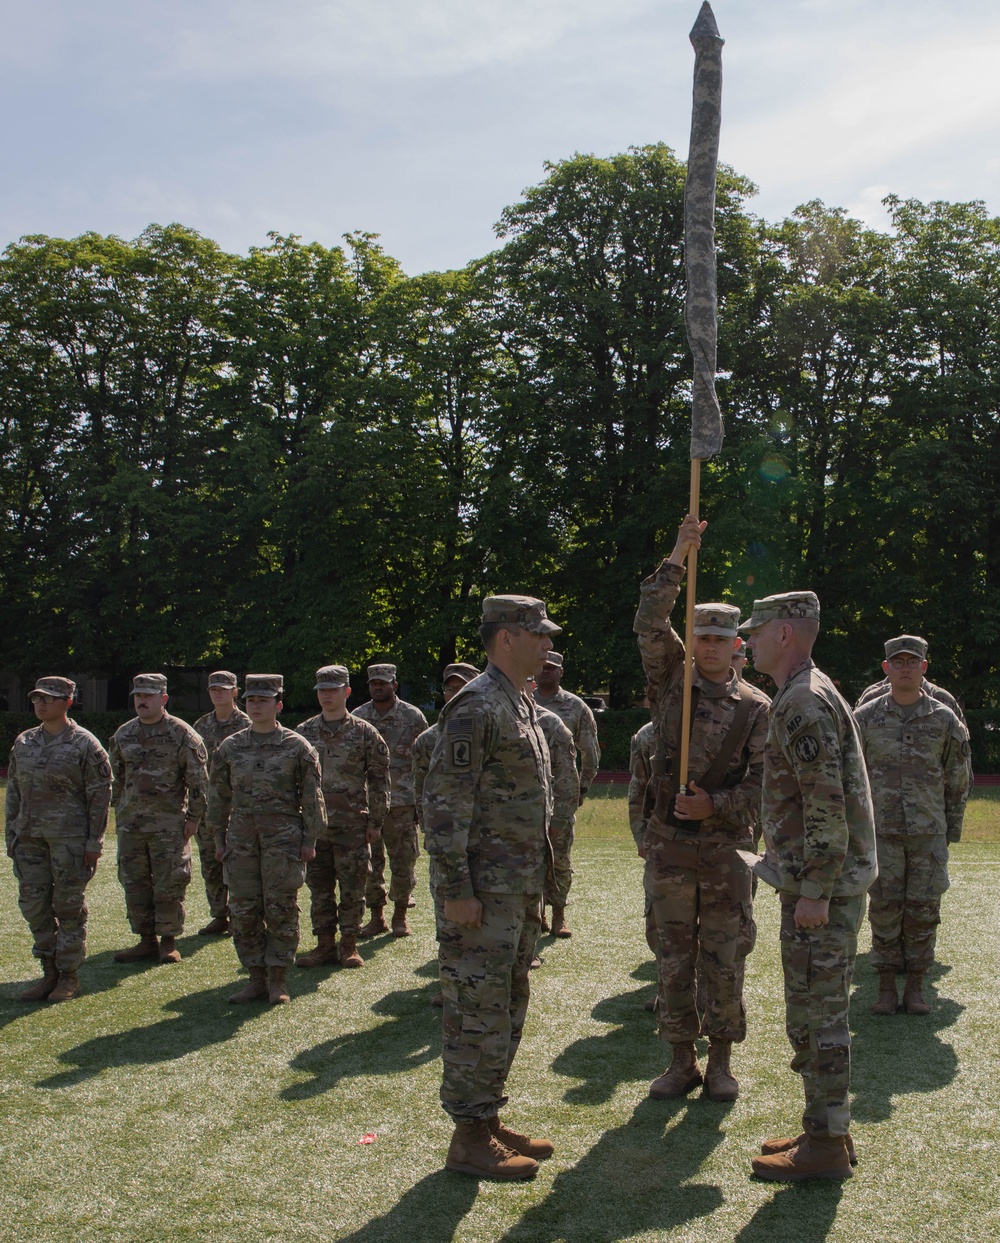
x: 807, y: 748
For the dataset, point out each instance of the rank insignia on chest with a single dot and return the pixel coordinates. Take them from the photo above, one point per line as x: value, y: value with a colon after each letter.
x: 461, y: 752
x: 258, y: 765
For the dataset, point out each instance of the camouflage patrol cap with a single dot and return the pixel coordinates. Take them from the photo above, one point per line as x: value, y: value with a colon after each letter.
x: 265, y: 685
x: 148, y: 684
x: 741, y: 647
x: 381, y: 673
x: 58, y: 688
x: 786, y: 607
x: 716, y: 619
x: 332, y: 678
x: 524, y: 612
x: 460, y: 670
x: 554, y: 658
x: 911, y: 644
x: 222, y: 677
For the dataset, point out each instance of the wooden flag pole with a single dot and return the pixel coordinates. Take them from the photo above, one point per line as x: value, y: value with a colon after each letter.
x: 692, y: 576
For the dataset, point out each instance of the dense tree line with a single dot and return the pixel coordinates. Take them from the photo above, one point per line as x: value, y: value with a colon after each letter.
x: 302, y: 454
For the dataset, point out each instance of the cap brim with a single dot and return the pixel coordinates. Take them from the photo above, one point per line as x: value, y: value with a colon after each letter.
x: 723, y: 634
x: 548, y: 627
x: 330, y: 686
x: 907, y: 651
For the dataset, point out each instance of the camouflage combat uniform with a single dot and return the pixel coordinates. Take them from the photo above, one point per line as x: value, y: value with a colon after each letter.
x: 878, y: 689
x: 580, y: 722
x: 640, y: 764
x: 354, y: 761
x: 264, y: 805
x: 819, y: 836
x: 213, y: 731
x: 58, y: 794
x: 399, y: 727
x: 487, y: 804
x: 697, y: 889
x: 919, y: 773
x: 565, y: 801
x: 160, y: 780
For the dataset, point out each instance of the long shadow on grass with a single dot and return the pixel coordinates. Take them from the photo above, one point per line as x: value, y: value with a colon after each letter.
x: 636, y: 1179
x: 200, y: 1019
x: 896, y: 1054
x: 614, y: 1057
x: 431, y: 1209
x: 99, y: 974
x: 802, y: 1211
x: 409, y: 1040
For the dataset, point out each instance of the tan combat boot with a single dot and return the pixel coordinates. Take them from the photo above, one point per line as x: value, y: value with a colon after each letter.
x: 720, y: 1082
x: 438, y: 1000
x: 278, y: 994
x: 376, y: 924
x: 818, y: 1156
x: 475, y: 1150
x: 680, y: 1077
x: 325, y: 951
x: 536, y: 1149
x: 782, y: 1144
x: 168, y: 950
x: 50, y: 978
x: 560, y: 928
x: 67, y: 988
x: 148, y: 947
x: 216, y: 927
x: 913, y: 994
x: 887, y: 1001
x: 650, y: 1005
x: 349, y: 956
x: 400, y: 924
x: 253, y: 990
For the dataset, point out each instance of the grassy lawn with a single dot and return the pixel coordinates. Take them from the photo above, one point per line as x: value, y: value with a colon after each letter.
x: 149, y: 1110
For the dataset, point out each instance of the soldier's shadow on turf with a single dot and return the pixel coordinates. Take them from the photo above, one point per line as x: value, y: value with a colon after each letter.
x: 431, y: 1209
x: 410, y: 1039
x: 198, y: 1020
x: 897, y: 1054
x: 98, y: 974
x: 784, y: 1217
x: 628, y: 1052
x: 635, y: 1180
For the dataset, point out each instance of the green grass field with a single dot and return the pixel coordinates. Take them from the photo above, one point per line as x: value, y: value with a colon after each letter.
x: 150, y: 1110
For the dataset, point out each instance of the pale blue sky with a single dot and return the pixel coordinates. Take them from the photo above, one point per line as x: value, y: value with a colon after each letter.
x: 421, y: 119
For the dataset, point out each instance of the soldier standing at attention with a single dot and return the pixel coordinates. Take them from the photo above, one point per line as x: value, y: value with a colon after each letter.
x: 58, y: 794
x: 399, y: 723
x: 819, y: 837
x: 487, y: 804
x: 917, y: 752
x: 265, y: 807
x: 580, y: 722
x: 565, y: 782
x: 158, y: 762
x: 878, y: 689
x: 354, y: 761
x: 224, y: 719
x: 455, y: 677
x: 697, y: 888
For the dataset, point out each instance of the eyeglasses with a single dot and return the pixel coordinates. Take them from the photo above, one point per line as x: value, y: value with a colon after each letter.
x: 905, y: 662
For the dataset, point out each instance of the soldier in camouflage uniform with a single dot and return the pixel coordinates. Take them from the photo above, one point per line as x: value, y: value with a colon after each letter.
x: 158, y: 762
x: 355, y: 764
x: 487, y: 804
x: 224, y: 719
x: 265, y: 808
x: 565, y: 782
x: 819, y: 837
x: 917, y: 752
x: 697, y: 888
x: 399, y: 723
x: 580, y: 722
x: 455, y: 677
x: 58, y: 795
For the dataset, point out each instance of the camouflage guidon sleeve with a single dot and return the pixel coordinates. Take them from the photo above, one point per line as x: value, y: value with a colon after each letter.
x: 918, y: 766
x: 487, y: 800
x: 59, y: 789
x: 817, y: 808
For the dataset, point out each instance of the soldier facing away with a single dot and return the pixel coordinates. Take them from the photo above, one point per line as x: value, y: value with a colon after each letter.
x: 58, y: 795
x: 158, y: 762
x: 487, y: 804
x: 224, y: 719
x: 917, y: 751
x: 399, y: 723
x: 265, y: 807
x: 819, y: 836
x: 697, y: 888
x: 355, y: 764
